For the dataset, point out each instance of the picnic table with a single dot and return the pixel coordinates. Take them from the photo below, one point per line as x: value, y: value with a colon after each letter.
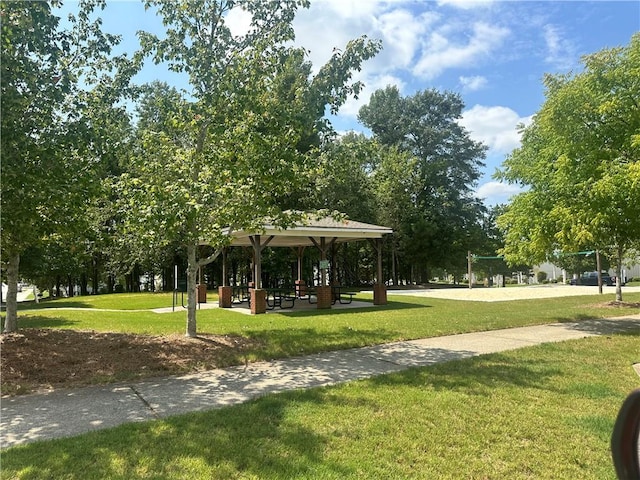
x: 338, y: 294
x: 240, y: 293
x: 283, y: 298
x: 342, y: 294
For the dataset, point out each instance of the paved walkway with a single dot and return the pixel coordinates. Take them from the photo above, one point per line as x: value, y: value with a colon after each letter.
x: 65, y: 413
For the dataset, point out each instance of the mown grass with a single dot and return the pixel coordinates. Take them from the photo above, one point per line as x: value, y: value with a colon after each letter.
x: 116, y: 301
x: 282, y: 334
x: 542, y: 412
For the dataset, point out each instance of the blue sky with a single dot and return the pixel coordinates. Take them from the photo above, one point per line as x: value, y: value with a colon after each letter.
x: 494, y: 53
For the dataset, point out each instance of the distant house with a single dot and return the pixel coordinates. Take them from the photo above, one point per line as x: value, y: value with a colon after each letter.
x: 556, y: 273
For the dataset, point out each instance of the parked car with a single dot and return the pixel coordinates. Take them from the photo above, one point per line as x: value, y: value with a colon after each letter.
x: 591, y: 278
x: 623, y: 281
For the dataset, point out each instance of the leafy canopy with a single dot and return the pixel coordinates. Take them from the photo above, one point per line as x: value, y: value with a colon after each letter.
x: 235, y: 147
x: 580, y: 163
x: 438, y: 212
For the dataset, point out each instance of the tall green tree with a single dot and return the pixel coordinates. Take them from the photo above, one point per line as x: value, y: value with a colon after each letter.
x: 343, y: 182
x: 394, y: 184
x: 238, y: 153
x: 50, y: 79
x: 446, y: 169
x: 580, y: 164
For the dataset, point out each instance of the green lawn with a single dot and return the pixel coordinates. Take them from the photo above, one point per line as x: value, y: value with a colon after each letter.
x: 543, y: 412
x: 116, y: 301
x: 296, y: 333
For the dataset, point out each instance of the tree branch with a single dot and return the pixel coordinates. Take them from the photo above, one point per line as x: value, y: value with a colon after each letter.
x: 206, y: 261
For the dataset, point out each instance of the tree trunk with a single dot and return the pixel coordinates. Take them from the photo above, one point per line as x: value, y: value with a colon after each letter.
x: 192, y: 273
x: 135, y: 278
x: 152, y: 281
x: 84, y: 290
x: 94, y: 275
x: 619, y: 275
x: 394, y: 271
x: 11, y: 320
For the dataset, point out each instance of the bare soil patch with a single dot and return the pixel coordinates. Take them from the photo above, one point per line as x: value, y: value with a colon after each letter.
x: 33, y: 360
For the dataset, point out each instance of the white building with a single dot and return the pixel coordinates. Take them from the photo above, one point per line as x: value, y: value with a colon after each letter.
x: 556, y: 273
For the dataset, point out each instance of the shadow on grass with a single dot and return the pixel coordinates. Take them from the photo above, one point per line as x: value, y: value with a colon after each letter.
x: 311, y: 312
x: 271, y: 445
x: 31, y: 305
x: 476, y: 376
x: 279, y: 343
x: 41, y: 321
x: 605, y: 326
x: 263, y: 438
x: 254, y: 440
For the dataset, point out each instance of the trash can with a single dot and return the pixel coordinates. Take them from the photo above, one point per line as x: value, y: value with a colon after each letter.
x: 202, y: 293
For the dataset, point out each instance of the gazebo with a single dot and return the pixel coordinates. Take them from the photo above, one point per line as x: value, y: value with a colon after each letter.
x: 320, y: 232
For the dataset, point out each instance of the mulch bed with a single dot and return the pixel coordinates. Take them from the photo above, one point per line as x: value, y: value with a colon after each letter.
x: 33, y: 360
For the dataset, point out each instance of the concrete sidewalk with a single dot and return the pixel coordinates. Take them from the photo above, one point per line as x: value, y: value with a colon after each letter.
x: 66, y: 413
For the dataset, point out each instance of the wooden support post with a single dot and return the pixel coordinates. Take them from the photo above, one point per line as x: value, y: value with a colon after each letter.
x: 323, y: 258
x: 323, y: 290
x: 258, y: 295
x: 379, y: 288
x: 225, y: 292
x: 323, y: 246
x: 299, y: 255
x: 333, y: 277
x: 379, y: 249
x: 257, y: 262
x: 300, y: 284
x: 224, y: 267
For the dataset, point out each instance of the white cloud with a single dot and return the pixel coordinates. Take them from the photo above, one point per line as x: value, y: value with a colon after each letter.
x: 472, y: 84
x: 441, y: 53
x: 466, y: 4
x: 239, y: 21
x: 349, y: 8
x: 495, y: 126
x: 330, y: 24
x: 323, y: 28
x: 372, y: 83
x: 400, y: 32
x: 497, y: 192
x: 561, y: 52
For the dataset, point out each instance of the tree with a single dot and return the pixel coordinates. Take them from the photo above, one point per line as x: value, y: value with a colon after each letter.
x: 394, y: 184
x: 447, y: 166
x: 579, y: 162
x: 237, y: 154
x: 51, y: 79
x: 579, y: 262
x: 343, y: 180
